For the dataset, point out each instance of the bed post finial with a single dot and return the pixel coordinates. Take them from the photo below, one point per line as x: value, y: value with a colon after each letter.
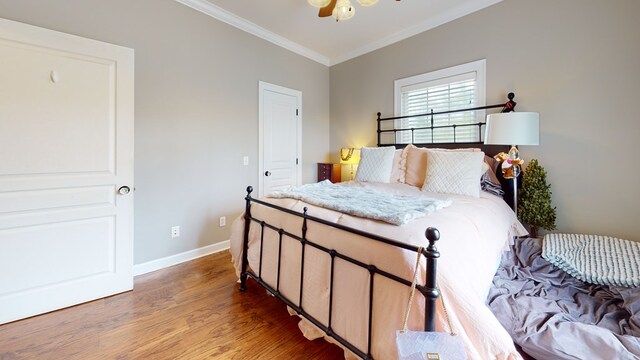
x: 431, y: 290
x: 510, y: 105
x: 432, y: 235
x: 245, y: 242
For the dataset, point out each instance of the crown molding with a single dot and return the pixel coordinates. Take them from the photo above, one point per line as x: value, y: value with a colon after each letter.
x: 217, y: 12
x: 225, y: 16
x: 429, y: 24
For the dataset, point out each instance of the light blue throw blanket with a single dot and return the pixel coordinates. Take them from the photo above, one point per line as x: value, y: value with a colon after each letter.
x: 363, y: 202
x: 600, y: 260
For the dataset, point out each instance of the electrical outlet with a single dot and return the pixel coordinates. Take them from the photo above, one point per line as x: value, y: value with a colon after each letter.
x: 223, y: 221
x: 245, y: 160
x: 175, y: 231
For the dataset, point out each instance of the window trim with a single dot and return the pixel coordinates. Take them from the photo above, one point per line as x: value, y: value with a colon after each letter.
x: 478, y: 66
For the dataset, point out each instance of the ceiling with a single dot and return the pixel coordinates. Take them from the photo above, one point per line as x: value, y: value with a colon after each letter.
x: 294, y: 24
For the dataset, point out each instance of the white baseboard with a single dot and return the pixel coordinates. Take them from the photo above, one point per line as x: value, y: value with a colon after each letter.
x: 165, y: 262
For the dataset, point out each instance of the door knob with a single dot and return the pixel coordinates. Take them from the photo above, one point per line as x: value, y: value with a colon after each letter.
x: 267, y: 173
x: 124, y: 190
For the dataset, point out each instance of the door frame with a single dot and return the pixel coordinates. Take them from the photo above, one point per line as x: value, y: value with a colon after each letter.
x: 262, y: 87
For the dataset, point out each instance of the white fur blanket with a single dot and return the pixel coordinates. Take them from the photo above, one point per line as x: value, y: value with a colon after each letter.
x: 362, y: 202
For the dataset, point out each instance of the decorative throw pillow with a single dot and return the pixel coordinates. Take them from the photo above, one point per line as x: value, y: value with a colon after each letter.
x: 375, y: 164
x: 454, y: 172
x: 490, y: 174
x: 399, y: 166
x: 416, y: 163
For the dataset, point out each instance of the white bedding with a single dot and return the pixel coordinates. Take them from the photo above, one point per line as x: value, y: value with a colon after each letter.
x: 474, y: 233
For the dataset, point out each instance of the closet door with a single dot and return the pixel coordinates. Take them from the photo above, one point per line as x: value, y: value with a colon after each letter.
x: 280, y: 134
x: 66, y: 170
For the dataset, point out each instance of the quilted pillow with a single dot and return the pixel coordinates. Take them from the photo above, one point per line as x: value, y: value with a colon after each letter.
x: 416, y: 163
x: 375, y: 164
x: 454, y: 172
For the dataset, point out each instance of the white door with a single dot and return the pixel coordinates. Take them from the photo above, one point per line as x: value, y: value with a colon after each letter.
x: 280, y: 133
x: 66, y: 148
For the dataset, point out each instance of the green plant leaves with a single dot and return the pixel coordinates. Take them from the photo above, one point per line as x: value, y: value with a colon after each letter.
x: 534, y: 199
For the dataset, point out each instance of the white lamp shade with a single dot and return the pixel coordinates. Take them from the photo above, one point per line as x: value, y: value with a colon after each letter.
x: 343, y: 10
x: 513, y: 128
x: 319, y: 3
x: 367, y: 2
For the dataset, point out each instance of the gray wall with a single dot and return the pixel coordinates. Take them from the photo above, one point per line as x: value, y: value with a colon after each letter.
x: 196, y: 109
x: 576, y: 62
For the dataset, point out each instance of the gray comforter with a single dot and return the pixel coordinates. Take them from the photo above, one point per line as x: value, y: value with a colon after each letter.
x: 554, y: 316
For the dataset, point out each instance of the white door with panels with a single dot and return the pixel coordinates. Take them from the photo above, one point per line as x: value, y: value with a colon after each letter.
x: 66, y: 170
x: 280, y: 138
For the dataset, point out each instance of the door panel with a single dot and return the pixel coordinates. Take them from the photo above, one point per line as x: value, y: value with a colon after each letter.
x: 82, y: 94
x: 48, y: 244
x: 59, y: 199
x: 66, y: 146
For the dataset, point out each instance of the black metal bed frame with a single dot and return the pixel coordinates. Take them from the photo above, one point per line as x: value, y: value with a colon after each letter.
x: 506, y: 107
x: 429, y: 290
x: 431, y: 253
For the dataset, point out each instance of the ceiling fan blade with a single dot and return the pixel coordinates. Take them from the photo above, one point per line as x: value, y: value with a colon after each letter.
x: 327, y: 10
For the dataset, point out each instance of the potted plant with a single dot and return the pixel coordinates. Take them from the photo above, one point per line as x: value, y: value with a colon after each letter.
x: 534, y: 200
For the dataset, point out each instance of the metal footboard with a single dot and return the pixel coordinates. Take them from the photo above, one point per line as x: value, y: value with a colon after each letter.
x: 429, y: 290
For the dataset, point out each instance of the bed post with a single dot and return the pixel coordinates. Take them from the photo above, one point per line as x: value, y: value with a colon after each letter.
x: 380, y: 130
x: 245, y: 241
x: 431, y: 290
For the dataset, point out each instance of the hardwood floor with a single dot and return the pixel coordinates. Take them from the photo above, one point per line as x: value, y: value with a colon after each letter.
x: 189, y: 311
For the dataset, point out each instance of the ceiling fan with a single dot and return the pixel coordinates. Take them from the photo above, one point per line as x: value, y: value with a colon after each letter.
x: 339, y: 9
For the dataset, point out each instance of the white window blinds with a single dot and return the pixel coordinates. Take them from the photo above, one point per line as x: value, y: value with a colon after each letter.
x: 425, y: 93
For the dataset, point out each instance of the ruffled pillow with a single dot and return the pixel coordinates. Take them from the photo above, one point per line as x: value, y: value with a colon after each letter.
x: 399, y: 166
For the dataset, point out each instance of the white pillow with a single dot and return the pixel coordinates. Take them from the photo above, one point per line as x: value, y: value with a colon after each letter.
x: 416, y: 163
x: 375, y: 164
x: 454, y: 172
x: 484, y: 168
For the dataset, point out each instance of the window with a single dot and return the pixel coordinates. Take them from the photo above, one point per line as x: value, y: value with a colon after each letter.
x: 454, y: 88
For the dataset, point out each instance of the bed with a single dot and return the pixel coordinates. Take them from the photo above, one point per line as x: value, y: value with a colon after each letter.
x: 347, y: 277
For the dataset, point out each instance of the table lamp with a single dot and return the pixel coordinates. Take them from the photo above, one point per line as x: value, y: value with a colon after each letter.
x: 513, y: 128
x: 351, y: 157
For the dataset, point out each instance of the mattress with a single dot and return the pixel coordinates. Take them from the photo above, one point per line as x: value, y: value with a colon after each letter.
x: 474, y: 234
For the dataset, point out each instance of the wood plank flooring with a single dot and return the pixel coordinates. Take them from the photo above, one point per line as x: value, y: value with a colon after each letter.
x: 189, y: 311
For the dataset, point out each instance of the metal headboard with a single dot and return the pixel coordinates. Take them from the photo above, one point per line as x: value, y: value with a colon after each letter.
x: 488, y: 149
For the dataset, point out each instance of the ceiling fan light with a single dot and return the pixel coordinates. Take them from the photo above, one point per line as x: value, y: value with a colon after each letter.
x: 367, y: 2
x: 319, y: 3
x: 343, y: 10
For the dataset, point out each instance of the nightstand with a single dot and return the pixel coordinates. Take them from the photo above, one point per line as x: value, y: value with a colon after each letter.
x: 327, y: 171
